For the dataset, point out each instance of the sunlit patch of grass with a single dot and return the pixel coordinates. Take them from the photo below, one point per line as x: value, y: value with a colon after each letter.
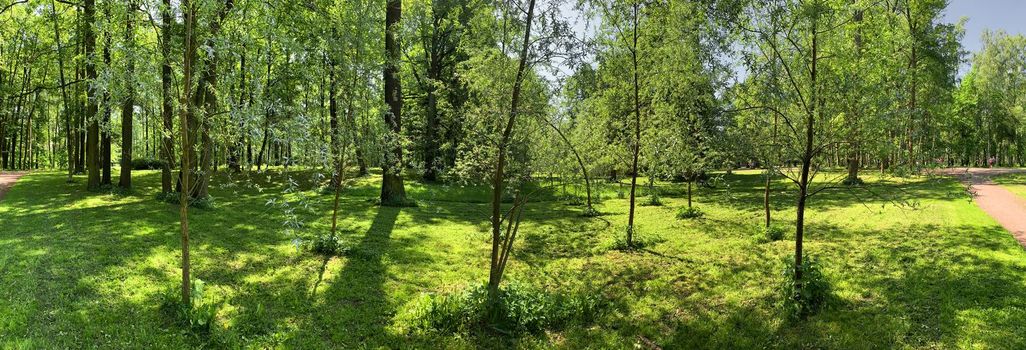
x: 913, y: 264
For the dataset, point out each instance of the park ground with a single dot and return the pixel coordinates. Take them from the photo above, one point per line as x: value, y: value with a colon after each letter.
x: 913, y: 263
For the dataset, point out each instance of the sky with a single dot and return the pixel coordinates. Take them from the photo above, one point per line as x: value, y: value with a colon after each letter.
x: 1007, y: 15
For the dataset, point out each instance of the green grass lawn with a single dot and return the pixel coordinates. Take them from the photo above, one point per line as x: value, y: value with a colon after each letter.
x: 1015, y: 183
x: 85, y: 270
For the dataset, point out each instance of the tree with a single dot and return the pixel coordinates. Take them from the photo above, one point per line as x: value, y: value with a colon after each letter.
x: 128, y: 105
x: 502, y: 241
x: 186, y: 113
x: 166, y: 108
x: 93, y: 131
x: 392, y: 190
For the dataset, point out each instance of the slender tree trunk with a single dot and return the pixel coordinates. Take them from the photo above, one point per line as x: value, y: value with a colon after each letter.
x: 186, y: 102
x: 105, y: 126
x: 64, y: 90
x: 690, y: 182
x: 637, y: 131
x: 499, y: 255
x: 125, y: 178
x: 93, y: 131
x: 766, y: 197
x: 167, y: 147
x: 333, y: 122
x: 807, y: 157
x: 580, y: 161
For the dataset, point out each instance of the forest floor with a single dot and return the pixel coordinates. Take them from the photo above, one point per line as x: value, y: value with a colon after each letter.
x: 999, y: 202
x: 912, y: 262
x: 7, y: 180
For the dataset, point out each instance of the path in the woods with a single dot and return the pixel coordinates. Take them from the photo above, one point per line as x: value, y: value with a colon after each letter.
x: 1007, y: 208
x: 7, y: 180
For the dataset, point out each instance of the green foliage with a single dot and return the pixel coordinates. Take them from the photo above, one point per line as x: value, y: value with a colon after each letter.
x: 519, y: 309
x: 805, y: 297
x: 687, y: 213
x: 198, y: 203
x: 327, y: 245
x: 197, y: 316
x: 147, y: 164
x: 853, y: 182
x: 772, y: 233
x: 654, y: 200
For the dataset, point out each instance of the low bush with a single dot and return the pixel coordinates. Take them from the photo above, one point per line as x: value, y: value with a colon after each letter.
x: 147, y: 164
x: 853, y: 182
x: 772, y: 233
x: 687, y: 213
x: 805, y: 297
x: 174, y: 198
x: 654, y: 200
x: 519, y: 309
x: 197, y: 316
x: 327, y: 244
x: 591, y: 212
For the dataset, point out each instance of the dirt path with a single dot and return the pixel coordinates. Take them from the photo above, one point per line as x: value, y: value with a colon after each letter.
x: 7, y: 180
x: 1007, y: 208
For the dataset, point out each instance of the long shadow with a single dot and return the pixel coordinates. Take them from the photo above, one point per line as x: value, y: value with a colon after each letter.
x: 359, y: 288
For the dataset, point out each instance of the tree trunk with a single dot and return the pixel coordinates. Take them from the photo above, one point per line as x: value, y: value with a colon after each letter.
x: 807, y: 157
x: 105, y: 129
x: 336, y: 177
x: 637, y: 131
x: 166, y: 112
x: 125, y: 178
x: 64, y: 90
x: 186, y: 101
x: 392, y: 189
x: 93, y: 131
x: 498, y: 257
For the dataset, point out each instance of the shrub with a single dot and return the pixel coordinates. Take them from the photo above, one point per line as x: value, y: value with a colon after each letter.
x: 853, y: 182
x: 147, y: 164
x: 687, y: 213
x: 197, y: 316
x: 772, y: 233
x: 519, y: 309
x: 199, y: 203
x: 654, y: 200
x: 590, y: 212
x: 807, y: 296
x: 327, y: 244
x: 637, y: 241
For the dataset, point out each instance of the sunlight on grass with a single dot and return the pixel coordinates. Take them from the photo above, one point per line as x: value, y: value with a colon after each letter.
x: 915, y: 264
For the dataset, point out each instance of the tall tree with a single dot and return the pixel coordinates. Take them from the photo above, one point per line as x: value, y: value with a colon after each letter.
x: 392, y: 190
x: 128, y: 105
x: 93, y: 131
x: 167, y: 104
x: 189, y: 12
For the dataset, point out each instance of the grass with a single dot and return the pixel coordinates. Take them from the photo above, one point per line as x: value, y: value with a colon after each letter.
x: 1015, y: 183
x: 86, y: 270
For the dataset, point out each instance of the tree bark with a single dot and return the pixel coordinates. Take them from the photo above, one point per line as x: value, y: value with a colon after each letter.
x: 186, y: 102
x: 105, y: 127
x: 93, y: 131
x: 637, y: 131
x: 392, y: 190
x: 166, y: 112
x: 64, y: 90
x: 125, y: 178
